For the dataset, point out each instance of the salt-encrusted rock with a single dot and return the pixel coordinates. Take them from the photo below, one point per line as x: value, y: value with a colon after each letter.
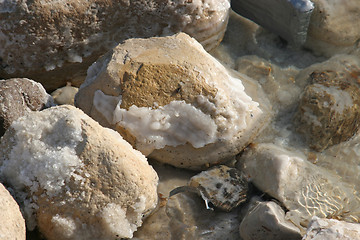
x: 305, y: 189
x: 329, y: 108
x: 19, y: 96
x: 53, y: 43
x: 333, y: 26
x: 74, y: 178
x: 172, y: 101
x: 65, y: 95
x: 266, y: 221
x: 12, y: 222
x: 331, y: 229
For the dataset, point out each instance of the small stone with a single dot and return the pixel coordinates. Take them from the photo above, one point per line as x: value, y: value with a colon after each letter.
x: 266, y: 221
x: 12, y: 222
x: 75, y: 179
x: 19, y: 96
x: 331, y: 229
x: 65, y: 95
x: 173, y: 101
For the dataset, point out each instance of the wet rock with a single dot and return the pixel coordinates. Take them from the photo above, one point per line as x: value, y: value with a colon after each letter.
x: 266, y: 220
x: 333, y: 27
x: 65, y: 95
x: 12, y: 222
x: 19, y: 96
x: 305, y: 189
x: 329, y: 108
x: 331, y: 229
x: 173, y: 101
x: 53, y: 43
x: 75, y: 179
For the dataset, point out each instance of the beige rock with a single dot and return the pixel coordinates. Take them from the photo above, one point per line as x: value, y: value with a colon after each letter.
x: 333, y: 26
x: 12, y: 222
x: 65, y: 95
x: 173, y: 101
x: 53, y: 43
x: 76, y: 179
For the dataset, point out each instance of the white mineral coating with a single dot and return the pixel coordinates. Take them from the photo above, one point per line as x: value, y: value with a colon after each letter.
x: 287, y: 18
x: 333, y: 26
x: 75, y: 179
x: 266, y: 221
x: 305, y: 189
x: 53, y: 42
x: 12, y: 222
x: 65, y: 95
x: 331, y: 229
x: 173, y: 101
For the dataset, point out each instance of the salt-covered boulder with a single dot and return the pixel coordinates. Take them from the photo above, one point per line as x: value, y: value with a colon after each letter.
x: 333, y: 26
x: 12, y: 222
x: 329, y: 108
x: 305, y: 189
x: 173, y: 101
x: 53, y: 42
x: 65, y: 95
x: 74, y: 178
x: 331, y: 229
x: 266, y: 221
x: 19, y: 96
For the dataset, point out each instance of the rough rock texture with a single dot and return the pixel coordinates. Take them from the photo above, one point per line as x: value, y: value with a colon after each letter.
x: 19, y: 96
x: 333, y: 26
x: 331, y: 229
x: 65, y: 95
x: 74, y: 178
x: 329, y: 109
x: 53, y: 43
x: 173, y: 101
x: 12, y: 222
x: 266, y: 221
x: 305, y: 189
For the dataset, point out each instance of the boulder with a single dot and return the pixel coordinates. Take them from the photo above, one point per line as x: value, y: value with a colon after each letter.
x: 65, y: 95
x: 173, y: 101
x: 53, y: 43
x: 12, y: 222
x: 331, y: 229
x: 266, y: 221
x: 75, y: 179
x: 19, y: 96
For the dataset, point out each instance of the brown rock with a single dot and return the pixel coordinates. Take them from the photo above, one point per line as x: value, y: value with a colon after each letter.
x: 12, y: 222
x: 53, y: 43
x: 19, y: 96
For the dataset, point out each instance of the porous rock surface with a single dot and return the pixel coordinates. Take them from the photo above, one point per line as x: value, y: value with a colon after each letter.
x: 53, y: 42
x: 329, y: 108
x: 172, y: 101
x: 74, y: 178
x: 331, y: 229
x: 12, y: 222
x: 19, y: 96
x: 305, y: 189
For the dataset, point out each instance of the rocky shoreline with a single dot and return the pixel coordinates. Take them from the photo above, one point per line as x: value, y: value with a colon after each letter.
x: 258, y: 138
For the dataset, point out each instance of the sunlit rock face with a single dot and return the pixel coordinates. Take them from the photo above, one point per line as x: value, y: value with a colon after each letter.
x: 173, y: 101
x: 53, y: 42
x: 75, y: 179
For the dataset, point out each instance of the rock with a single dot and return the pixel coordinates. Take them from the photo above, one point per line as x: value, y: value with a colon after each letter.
x: 65, y: 95
x: 173, y: 101
x: 332, y: 27
x: 266, y: 221
x: 19, y: 96
x: 12, y: 222
x: 305, y: 189
x: 55, y: 43
x: 74, y: 178
x: 329, y: 109
x: 331, y: 229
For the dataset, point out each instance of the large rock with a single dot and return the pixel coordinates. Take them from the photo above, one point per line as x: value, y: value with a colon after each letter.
x: 12, y: 222
x: 173, y: 101
x: 305, y: 189
x: 19, y: 96
x: 74, y: 178
x: 53, y: 42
